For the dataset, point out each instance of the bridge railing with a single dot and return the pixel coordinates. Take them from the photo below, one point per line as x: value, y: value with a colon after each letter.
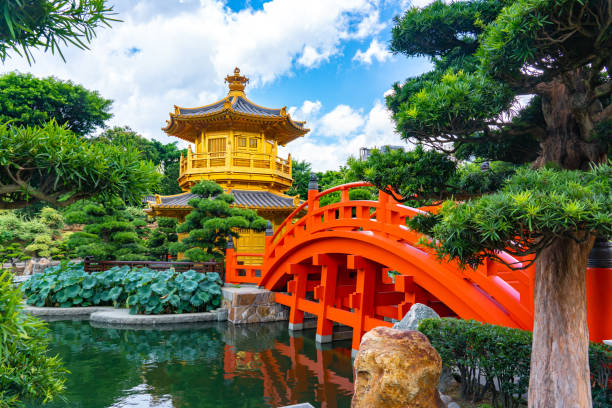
x: 242, y: 267
x: 388, y: 217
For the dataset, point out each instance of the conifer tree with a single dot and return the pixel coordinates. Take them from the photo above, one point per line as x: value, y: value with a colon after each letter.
x: 211, y: 222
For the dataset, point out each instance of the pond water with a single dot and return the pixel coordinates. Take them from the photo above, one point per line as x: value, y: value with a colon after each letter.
x: 212, y: 365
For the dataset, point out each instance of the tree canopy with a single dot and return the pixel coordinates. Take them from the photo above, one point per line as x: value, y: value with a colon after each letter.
x: 111, y: 231
x: 29, y: 101
x: 54, y: 165
x: 488, y: 55
x: 166, y: 157
x: 300, y: 170
x: 50, y: 24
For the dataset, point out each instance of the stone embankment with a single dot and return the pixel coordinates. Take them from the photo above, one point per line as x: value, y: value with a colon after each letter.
x: 122, y: 316
x: 240, y: 305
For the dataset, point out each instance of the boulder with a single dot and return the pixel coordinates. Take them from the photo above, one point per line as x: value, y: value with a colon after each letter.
x: 415, y: 315
x: 396, y: 369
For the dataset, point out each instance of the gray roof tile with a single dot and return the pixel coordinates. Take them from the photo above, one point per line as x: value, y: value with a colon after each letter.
x: 215, y: 107
x: 247, y: 198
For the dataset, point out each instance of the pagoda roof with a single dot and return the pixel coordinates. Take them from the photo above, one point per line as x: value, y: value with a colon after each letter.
x: 243, y: 198
x: 238, y: 109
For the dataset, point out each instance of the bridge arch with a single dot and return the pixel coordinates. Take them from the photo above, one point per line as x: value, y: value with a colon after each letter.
x: 333, y: 262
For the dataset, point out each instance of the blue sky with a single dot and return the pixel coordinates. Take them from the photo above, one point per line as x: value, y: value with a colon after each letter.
x: 326, y: 60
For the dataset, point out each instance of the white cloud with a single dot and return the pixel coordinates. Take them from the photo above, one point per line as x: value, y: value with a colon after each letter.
x: 389, y: 92
x: 341, y: 121
x: 154, y: 60
x: 370, y: 25
x: 376, y: 51
x: 311, y: 57
x: 373, y: 129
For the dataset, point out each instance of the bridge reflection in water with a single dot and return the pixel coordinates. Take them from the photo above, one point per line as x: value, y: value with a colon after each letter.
x: 211, y: 365
x: 289, y: 371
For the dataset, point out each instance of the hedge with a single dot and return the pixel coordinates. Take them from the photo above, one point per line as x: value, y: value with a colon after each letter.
x: 494, y: 355
x: 142, y: 290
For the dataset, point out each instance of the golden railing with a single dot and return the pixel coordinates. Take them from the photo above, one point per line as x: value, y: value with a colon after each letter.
x: 193, y: 162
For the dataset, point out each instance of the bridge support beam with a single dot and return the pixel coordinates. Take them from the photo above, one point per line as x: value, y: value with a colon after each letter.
x: 325, y: 293
x: 297, y: 287
x: 362, y: 300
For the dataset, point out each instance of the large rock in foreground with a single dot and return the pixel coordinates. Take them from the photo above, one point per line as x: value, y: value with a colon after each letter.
x: 396, y: 369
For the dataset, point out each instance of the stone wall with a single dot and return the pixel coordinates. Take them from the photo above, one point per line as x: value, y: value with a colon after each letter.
x: 250, y: 304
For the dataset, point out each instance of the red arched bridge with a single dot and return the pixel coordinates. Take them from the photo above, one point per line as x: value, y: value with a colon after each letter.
x: 357, y: 264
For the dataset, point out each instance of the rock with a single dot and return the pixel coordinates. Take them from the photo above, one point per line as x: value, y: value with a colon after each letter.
x: 445, y: 399
x: 41, y: 265
x: 415, y: 315
x: 396, y: 368
x: 453, y: 405
x: 29, y: 266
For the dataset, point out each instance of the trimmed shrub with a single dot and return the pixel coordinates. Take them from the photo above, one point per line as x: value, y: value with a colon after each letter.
x: 111, y: 231
x: 22, y: 238
x: 143, y: 290
x: 500, y: 358
x: 27, y: 372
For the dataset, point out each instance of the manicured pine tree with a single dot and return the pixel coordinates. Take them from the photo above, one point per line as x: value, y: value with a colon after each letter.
x: 211, y: 222
x: 111, y: 231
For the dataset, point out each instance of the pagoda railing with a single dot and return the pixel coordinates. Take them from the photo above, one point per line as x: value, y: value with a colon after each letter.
x: 221, y: 161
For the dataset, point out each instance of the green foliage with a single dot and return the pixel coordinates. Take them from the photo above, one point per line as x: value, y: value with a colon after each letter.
x: 29, y: 101
x: 161, y: 237
x: 422, y: 176
x: 600, y: 363
x: 27, y: 372
x: 211, y: 222
x: 300, y: 171
x: 169, y: 292
x: 112, y: 231
x: 533, y: 208
x: 501, y: 356
x: 49, y: 23
x: 142, y: 290
x: 21, y: 239
x: 166, y: 157
x: 54, y: 165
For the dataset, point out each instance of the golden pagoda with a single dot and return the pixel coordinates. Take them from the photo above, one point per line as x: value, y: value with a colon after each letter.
x: 235, y: 144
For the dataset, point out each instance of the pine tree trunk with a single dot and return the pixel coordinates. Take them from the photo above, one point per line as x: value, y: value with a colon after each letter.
x: 569, y: 124
x: 559, y: 359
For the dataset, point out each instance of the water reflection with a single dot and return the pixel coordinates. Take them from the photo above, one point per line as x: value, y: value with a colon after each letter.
x: 210, y: 365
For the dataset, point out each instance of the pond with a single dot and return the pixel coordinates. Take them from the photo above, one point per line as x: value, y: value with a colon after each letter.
x: 210, y: 365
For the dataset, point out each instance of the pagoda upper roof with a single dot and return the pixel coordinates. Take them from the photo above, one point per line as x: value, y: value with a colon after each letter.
x: 239, y: 104
x: 237, y: 108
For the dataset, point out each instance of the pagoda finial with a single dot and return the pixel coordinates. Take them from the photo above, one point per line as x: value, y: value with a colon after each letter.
x: 236, y: 83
